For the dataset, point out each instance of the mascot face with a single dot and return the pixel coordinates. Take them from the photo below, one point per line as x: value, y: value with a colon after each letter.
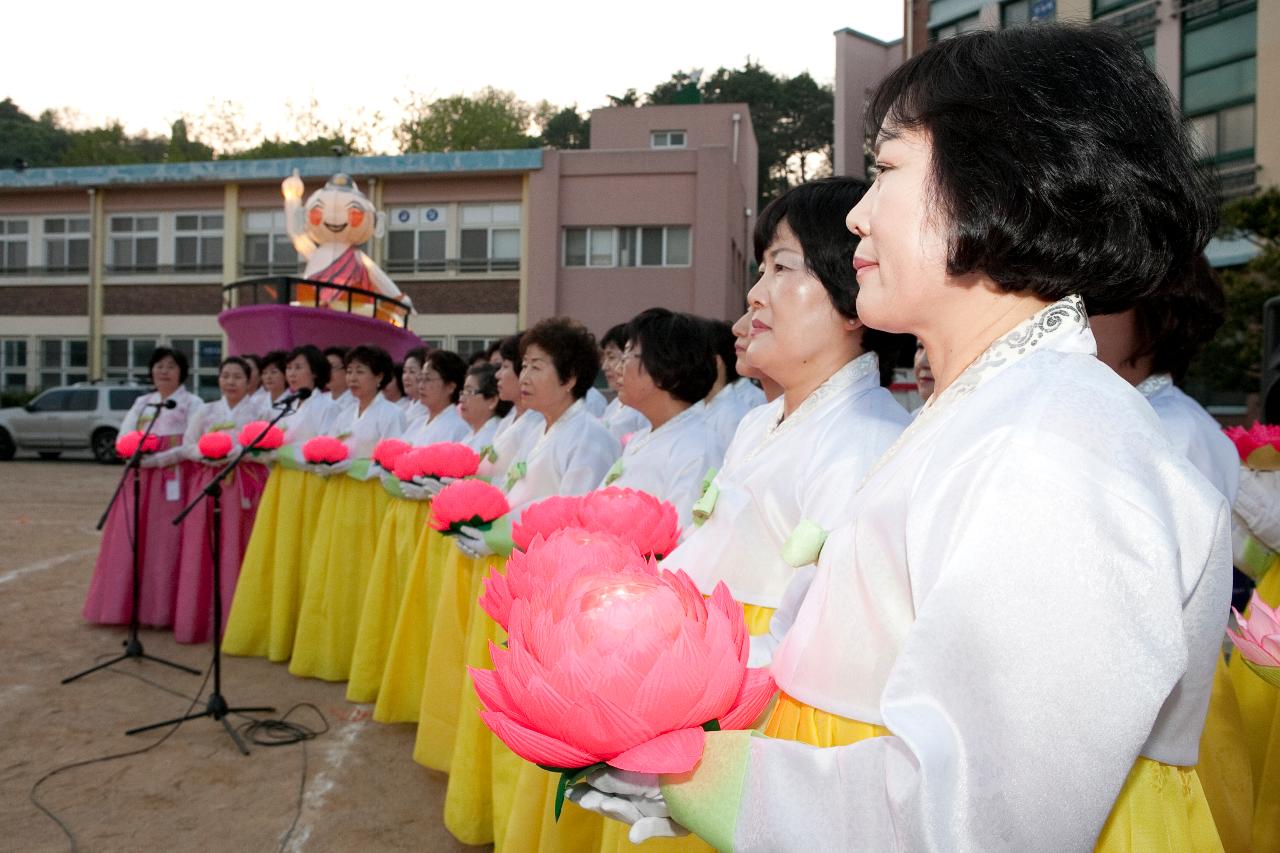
x: 340, y: 213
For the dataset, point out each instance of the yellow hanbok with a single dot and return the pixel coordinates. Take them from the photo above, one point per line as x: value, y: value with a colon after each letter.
x: 402, y: 526
x: 1259, y: 704
x: 273, y: 578
x: 400, y: 694
x: 337, y: 578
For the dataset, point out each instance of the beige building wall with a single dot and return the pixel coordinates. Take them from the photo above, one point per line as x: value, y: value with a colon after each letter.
x: 861, y: 63
x: 1267, y: 130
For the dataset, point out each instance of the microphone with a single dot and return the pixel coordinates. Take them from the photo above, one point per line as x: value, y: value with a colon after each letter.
x: 165, y: 404
x: 300, y: 394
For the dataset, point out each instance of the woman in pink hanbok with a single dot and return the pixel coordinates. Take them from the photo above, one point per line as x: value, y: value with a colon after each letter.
x: 161, y: 480
x: 239, y: 502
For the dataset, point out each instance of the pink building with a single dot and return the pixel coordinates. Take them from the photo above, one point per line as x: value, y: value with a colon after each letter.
x: 99, y: 265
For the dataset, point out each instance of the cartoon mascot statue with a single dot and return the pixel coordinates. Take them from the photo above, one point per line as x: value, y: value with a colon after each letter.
x: 337, y: 219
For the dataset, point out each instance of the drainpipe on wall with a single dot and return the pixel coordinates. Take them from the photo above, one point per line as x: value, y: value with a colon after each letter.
x: 97, y: 257
x: 737, y: 126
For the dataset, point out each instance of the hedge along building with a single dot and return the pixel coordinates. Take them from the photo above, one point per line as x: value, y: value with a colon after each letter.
x: 99, y: 265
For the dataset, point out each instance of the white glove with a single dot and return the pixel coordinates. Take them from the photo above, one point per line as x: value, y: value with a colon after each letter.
x: 326, y: 470
x: 431, y: 486
x: 1258, y: 505
x: 413, y: 492
x: 471, y: 542
x: 149, y: 460
x: 633, y: 798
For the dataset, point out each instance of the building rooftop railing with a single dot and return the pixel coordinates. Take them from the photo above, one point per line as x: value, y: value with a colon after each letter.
x: 305, y: 293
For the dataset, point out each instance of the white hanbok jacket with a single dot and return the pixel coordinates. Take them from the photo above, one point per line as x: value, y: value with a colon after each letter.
x: 481, y: 439
x: 168, y: 421
x: 1194, y: 433
x: 218, y: 413
x: 512, y: 440
x: 622, y: 420
x: 361, y: 432
x: 726, y: 410
x: 1030, y: 594
x: 779, y: 472
x: 570, y: 458
x: 447, y: 425
x: 307, y: 418
x: 670, y: 462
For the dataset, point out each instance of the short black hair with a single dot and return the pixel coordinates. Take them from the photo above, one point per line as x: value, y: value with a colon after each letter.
x: 676, y: 352
x: 418, y: 354
x: 451, y: 367
x: 320, y: 367
x: 617, y: 335
x: 278, y: 357
x: 509, y: 350
x: 397, y: 376
x: 184, y: 367
x: 721, y: 338
x: 1060, y: 163
x: 253, y: 357
x: 572, y: 349
x: 340, y: 352
x: 376, y: 359
x: 815, y: 212
x: 1176, y: 321
x: 238, y: 361
x: 487, y: 382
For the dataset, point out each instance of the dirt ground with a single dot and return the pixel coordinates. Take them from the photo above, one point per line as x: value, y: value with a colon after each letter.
x: 360, y: 789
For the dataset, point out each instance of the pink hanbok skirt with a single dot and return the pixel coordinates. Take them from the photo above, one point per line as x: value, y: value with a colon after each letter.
x: 193, y: 614
x: 162, y: 496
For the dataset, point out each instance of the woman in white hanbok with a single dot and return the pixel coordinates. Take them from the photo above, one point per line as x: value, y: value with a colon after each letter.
x: 1009, y: 644
x: 619, y: 418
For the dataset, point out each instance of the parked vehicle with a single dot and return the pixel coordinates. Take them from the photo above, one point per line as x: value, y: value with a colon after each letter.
x: 83, y: 416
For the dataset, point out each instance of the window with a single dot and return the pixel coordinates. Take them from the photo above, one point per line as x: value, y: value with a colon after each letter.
x: 63, y: 361
x: 667, y: 139
x: 953, y: 28
x: 121, y: 399
x: 81, y: 400
x: 467, y: 347
x: 416, y: 239
x: 1102, y: 7
x: 267, y: 247
x: 197, y: 242
x: 51, y: 401
x: 127, y: 359
x: 134, y: 244
x: 66, y: 244
x: 489, y: 237
x: 204, y: 355
x: 433, y: 343
x: 1015, y: 13
x: 13, y: 245
x: 13, y: 365
x: 1219, y: 80
x: 643, y: 246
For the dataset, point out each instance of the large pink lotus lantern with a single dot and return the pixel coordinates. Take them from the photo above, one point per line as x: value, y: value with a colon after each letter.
x: 127, y: 444
x: 443, y: 460
x: 635, y: 516
x: 467, y: 503
x: 1258, y: 446
x: 215, y: 445
x: 613, y: 661
x: 544, y: 518
x: 1258, y: 639
x: 324, y: 450
x: 272, y: 440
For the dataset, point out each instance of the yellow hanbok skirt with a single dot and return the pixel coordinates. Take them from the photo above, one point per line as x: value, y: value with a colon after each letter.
x: 445, y: 678
x: 1161, y: 808
x: 273, y: 577
x: 1259, y: 704
x: 402, y: 526
x: 400, y: 695
x: 337, y: 577
x: 1223, y: 766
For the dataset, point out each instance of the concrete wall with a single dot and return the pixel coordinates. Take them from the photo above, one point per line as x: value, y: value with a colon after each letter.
x: 1267, y: 130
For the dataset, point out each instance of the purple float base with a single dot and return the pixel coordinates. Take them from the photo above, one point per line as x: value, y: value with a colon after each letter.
x: 261, y: 328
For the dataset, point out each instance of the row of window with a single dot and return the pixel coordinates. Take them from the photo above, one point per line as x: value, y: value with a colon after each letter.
x: 63, y: 361
x: 628, y: 246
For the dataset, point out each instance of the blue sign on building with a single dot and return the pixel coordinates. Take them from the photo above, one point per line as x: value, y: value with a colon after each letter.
x: 1043, y: 10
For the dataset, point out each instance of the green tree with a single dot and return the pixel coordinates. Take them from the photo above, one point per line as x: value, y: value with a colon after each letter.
x: 24, y: 139
x: 183, y: 149
x: 792, y: 118
x: 1232, y: 361
x: 562, y: 127
x: 489, y: 120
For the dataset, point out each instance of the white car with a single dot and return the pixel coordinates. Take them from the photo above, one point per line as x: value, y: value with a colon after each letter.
x: 84, y: 416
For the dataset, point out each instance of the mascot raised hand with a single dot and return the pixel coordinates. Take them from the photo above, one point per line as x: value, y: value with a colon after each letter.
x: 328, y: 232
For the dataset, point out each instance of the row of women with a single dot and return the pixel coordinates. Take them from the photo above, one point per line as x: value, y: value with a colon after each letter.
x: 995, y: 625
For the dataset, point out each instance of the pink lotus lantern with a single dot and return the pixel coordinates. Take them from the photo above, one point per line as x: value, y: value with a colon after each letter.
x: 215, y: 445
x: 324, y: 450
x: 1258, y: 639
x: 127, y: 444
x: 1258, y: 446
x: 273, y: 440
x: 469, y: 503
x: 613, y: 661
x: 635, y: 516
x: 388, y: 451
x: 447, y: 459
x: 545, y: 518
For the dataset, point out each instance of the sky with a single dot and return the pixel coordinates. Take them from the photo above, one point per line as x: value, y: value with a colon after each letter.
x: 148, y: 63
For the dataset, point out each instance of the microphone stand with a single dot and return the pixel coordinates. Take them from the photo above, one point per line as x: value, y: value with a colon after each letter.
x: 133, y: 645
x: 217, y: 707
